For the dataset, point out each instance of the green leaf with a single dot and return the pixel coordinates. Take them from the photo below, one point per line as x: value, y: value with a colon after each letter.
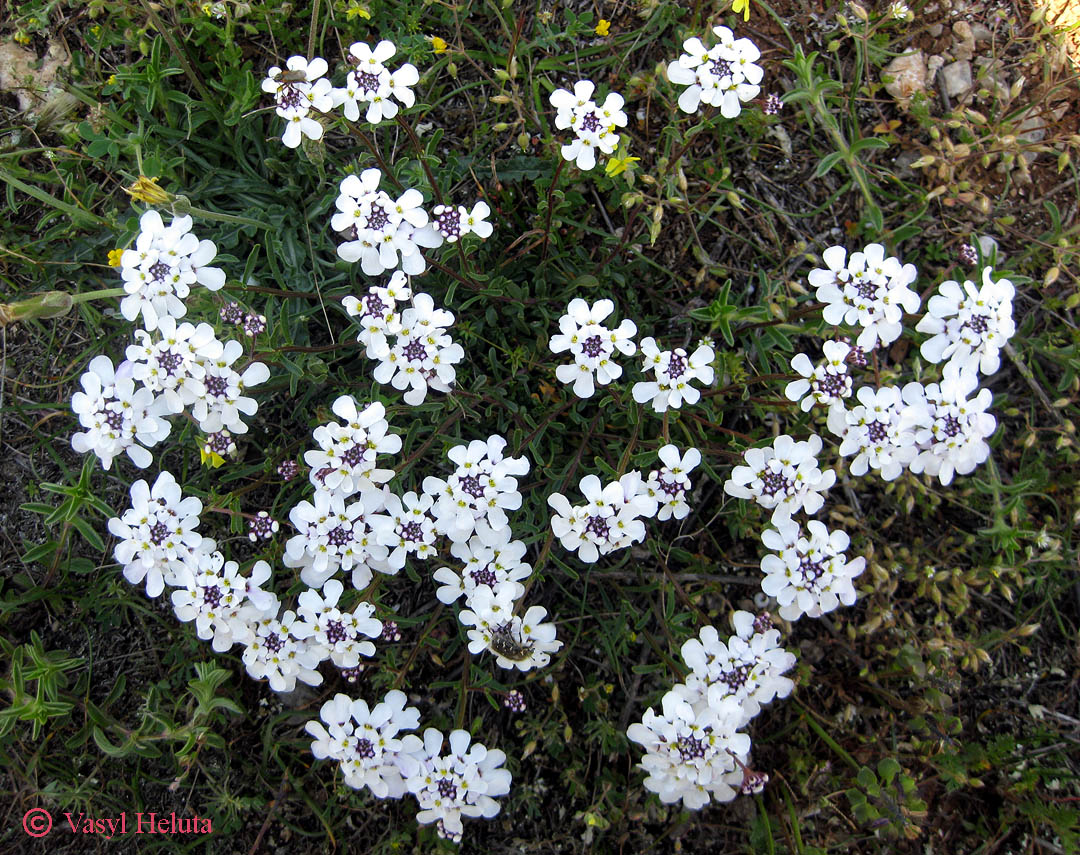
x: 827, y: 163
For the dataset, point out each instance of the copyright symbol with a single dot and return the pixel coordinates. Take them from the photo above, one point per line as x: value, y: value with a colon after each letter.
x: 37, y: 822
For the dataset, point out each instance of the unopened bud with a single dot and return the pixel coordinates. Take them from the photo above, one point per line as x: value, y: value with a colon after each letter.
x: 51, y: 304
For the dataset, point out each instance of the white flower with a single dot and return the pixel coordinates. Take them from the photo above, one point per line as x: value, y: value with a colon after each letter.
x: 475, y: 221
x: 222, y: 400
x: 158, y: 541
x: 952, y: 427
x: 422, y: 355
x: 595, y: 128
x: 691, y: 752
x: 377, y: 312
x: 279, y: 652
x: 296, y: 91
x: 338, y: 633
x: 405, y: 528
x: 479, y: 492
x: 669, y: 485
x: 370, y: 744
x: 117, y: 417
x: 878, y: 431
x: 783, y: 476
x: 673, y: 371
x: 334, y: 536
x: 592, y: 345
x: 826, y: 384
x: 215, y: 596
x: 345, y: 462
x: 748, y: 668
x: 968, y: 323
x: 498, y: 567
x: 808, y: 575
x: 159, y: 270
x: 724, y: 75
x: 461, y: 783
x: 610, y: 519
x: 868, y: 290
x: 522, y: 642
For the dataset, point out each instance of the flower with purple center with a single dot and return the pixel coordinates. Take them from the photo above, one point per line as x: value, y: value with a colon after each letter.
x: 423, y: 354
x: 405, y: 528
x: 595, y: 127
x: 370, y: 744
x: 280, y: 653
x: 514, y: 701
x: 341, y: 634
x: 116, y: 416
x: 254, y: 325
x: 969, y: 323
x: 827, y: 384
x: 878, y: 431
x: 783, y: 477
x: 592, y: 345
x: 345, y: 461
x: 231, y: 313
x: 610, y: 519
x: 673, y: 373
x: 868, y: 290
x: 297, y: 90
x: 463, y: 783
x: 725, y: 75
x: 808, y: 575
x: 669, y: 485
x: 158, y: 540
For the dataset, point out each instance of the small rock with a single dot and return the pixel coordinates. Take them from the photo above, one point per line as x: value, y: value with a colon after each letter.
x: 981, y: 33
x: 21, y: 72
x: 956, y: 78
x: 933, y: 65
x: 936, y: 30
x: 906, y: 75
x: 963, y: 41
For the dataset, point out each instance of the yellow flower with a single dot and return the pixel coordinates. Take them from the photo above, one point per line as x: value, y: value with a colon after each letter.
x: 22, y: 38
x: 215, y: 459
x: 114, y: 257
x: 603, y: 27
x: 617, y: 165
x: 743, y: 6
x: 438, y: 45
x: 111, y: 79
x: 146, y: 190
x: 355, y: 10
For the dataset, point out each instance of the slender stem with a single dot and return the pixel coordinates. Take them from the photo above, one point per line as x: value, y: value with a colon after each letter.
x: 181, y: 57
x: 230, y: 218
x: 369, y: 144
x: 415, y: 140
x: 551, y: 194
x: 311, y: 30
x: 104, y: 293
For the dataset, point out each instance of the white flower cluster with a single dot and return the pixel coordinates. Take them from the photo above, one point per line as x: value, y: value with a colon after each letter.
x: 381, y: 232
x: 673, y: 372
x: 694, y: 749
x: 297, y: 90
x: 808, y: 575
x: 595, y: 127
x: 301, y: 87
x: 159, y: 270
x: 469, y: 507
x: 593, y: 345
x: 412, y: 346
x: 190, y: 368
x: 337, y: 532
x: 939, y: 429
x: 724, y: 75
x: 375, y: 750
x: 969, y: 325
x: 159, y: 544
x: 170, y: 367
x: 866, y: 289
x: 783, y: 476
x: 611, y: 518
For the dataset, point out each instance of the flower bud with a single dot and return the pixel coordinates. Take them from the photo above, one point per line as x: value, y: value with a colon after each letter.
x: 50, y: 304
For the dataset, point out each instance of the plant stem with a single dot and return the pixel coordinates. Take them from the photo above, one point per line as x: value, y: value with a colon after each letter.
x: 551, y: 194
x: 104, y: 293
x: 415, y: 140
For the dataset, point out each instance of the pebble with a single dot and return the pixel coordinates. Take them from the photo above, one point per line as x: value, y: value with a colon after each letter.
x: 956, y: 78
